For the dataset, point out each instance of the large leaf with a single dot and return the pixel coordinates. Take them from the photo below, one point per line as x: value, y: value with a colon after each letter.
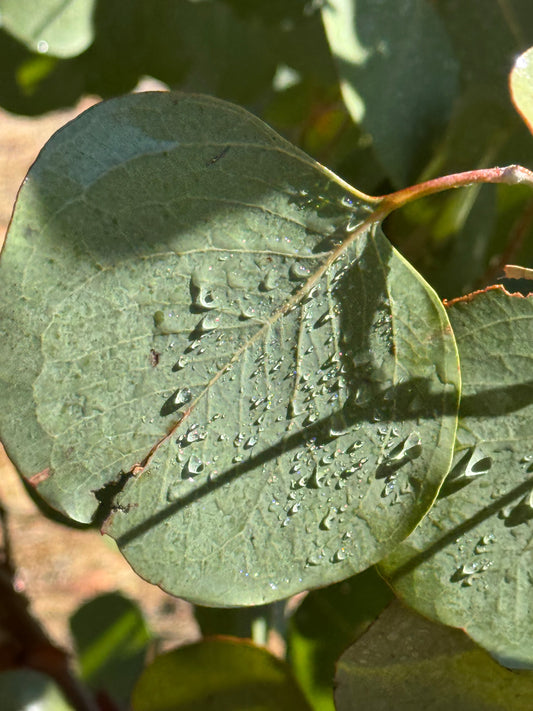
x: 469, y: 562
x: 398, y: 75
x: 223, y: 674
x: 63, y: 28
x: 408, y: 663
x: 186, y: 301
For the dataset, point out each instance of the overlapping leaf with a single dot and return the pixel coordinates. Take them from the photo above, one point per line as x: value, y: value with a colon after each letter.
x: 408, y: 663
x: 186, y: 303
x: 398, y: 75
x: 469, y: 562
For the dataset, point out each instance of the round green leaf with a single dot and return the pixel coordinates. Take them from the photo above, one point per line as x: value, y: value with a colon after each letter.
x: 222, y: 674
x: 187, y: 303
x: 521, y: 86
x: 26, y: 689
x: 408, y: 663
x: 469, y: 563
x: 57, y: 27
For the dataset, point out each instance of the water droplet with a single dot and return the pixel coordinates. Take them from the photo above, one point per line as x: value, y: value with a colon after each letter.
x: 315, y: 559
x: 195, y: 434
x: 339, y: 555
x: 298, y: 271
x: 357, y: 444
x: 328, y: 520
x: 315, y: 481
x: 294, y: 509
x: 347, y: 201
x: 181, y: 363
x: 194, y: 465
x: 42, y: 46
x: 204, y: 299
x: 250, y: 442
x: 182, y: 396
x: 246, y: 313
x: 269, y: 281
x: 239, y: 439
x: 208, y: 323
x: 471, y: 465
x: 322, y: 320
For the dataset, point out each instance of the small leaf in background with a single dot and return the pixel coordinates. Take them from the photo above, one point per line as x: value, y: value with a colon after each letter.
x: 521, y: 85
x: 469, y: 562
x: 187, y: 307
x: 221, y: 674
x: 55, y: 27
x: 407, y: 663
x: 29, y: 690
x: 398, y: 76
x: 111, y: 640
x: 324, y: 624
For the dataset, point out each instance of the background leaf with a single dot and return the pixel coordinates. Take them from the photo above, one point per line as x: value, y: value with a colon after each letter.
x: 468, y: 563
x: 63, y: 29
x: 197, y: 319
x: 111, y: 640
x: 29, y: 689
x: 521, y: 85
x: 411, y: 663
x: 326, y: 622
x: 398, y: 76
x: 225, y: 674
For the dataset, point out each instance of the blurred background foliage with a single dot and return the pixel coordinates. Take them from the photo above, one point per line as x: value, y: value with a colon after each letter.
x: 391, y: 94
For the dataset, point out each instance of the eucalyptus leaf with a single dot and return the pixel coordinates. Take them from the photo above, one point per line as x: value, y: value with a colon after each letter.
x: 408, y: 663
x: 224, y: 674
x: 398, y: 76
x: 199, y: 314
x: 469, y: 562
x: 58, y: 27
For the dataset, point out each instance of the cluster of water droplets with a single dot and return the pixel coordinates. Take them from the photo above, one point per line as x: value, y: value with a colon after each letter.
x: 297, y: 411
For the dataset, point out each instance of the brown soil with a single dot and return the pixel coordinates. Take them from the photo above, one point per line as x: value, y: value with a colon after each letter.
x: 58, y: 567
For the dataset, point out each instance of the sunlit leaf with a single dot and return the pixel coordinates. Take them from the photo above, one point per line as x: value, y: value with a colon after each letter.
x: 62, y: 29
x: 469, y: 562
x: 189, y: 315
x: 222, y: 674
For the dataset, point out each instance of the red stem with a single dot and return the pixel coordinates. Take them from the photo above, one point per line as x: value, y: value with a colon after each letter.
x: 510, y: 175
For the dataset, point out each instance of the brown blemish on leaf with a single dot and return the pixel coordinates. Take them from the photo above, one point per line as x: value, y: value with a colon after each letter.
x: 38, y: 478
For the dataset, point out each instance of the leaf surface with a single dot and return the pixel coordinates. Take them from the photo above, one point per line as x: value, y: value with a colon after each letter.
x: 469, y: 562
x: 409, y: 663
x: 188, y: 307
x: 218, y: 673
x: 62, y: 29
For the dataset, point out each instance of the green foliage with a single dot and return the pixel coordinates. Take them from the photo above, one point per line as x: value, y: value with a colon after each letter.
x: 241, y: 677
x: 423, y: 665
x: 209, y: 345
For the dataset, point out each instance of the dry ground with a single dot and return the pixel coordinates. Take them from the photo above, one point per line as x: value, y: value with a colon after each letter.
x: 59, y: 567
